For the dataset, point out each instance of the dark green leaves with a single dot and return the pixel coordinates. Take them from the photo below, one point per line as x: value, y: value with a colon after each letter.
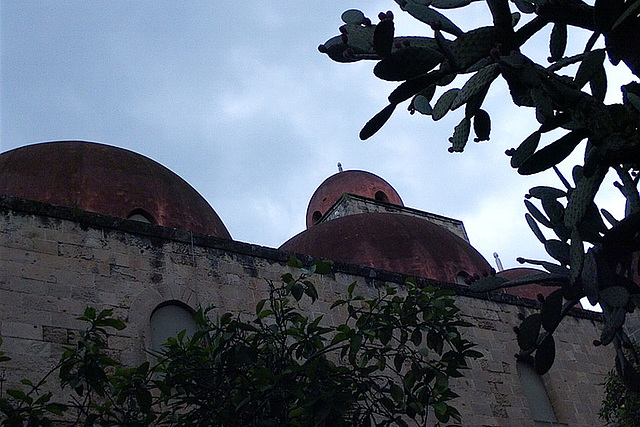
x: 551, y: 311
x: 590, y: 67
x: 482, y: 125
x: 383, y: 38
x: 388, y: 358
x: 376, y: 123
x: 528, y: 332
x: 524, y: 150
x: 545, y: 355
x: 553, y: 153
x: 558, y: 41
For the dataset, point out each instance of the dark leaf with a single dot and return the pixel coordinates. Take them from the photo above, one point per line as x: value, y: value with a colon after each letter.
x: 551, y: 310
x: 383, y: 38
x: 525, y: 149
x: 534, y: 227
x: 545, y: 355
x: 353, y: 16
x: 613, y: 321
x: 482, y: 125
x: 591, y: 65
x: 542, y: 192
x: 558, y: 41
x: 406, y: 63
x: 598, y: 84
x: 528, y: 332
x: 614, y: 296
x: 443, y: 104
x: 553, y: 153
x: 488, y: 284
x: 559, y: 250
x: 376, y: 123
x: 539, y: 216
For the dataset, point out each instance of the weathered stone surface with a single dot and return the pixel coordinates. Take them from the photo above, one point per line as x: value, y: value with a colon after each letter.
x: 132, y: 271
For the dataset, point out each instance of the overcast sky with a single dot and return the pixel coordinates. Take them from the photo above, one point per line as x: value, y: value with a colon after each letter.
x: 235, y: 98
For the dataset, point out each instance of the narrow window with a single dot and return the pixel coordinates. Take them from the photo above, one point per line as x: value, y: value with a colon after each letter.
x: 169, y: 319
x: 536, y: 394
x: 381, y: 197
x: 141, y: 215
x: 316, y: 217
x: 461, y: 278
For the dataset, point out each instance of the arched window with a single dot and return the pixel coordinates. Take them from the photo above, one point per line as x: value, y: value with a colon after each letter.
x: 461, y: 278
x: 536, y: 394
x: 169, y: 319
x: 141, y: 215
x: 381, y: 197
x: 316, y: 217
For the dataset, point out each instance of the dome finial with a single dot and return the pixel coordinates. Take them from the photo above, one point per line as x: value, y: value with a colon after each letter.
x: 339, y: 167
x: 498, y: 262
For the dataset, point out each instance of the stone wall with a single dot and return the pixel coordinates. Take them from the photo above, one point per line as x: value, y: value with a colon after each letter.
x: 56, y: 261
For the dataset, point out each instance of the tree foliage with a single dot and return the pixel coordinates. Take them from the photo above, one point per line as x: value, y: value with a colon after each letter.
x: 621, y: 405
x: 387, y: 362
x: 596, y: 254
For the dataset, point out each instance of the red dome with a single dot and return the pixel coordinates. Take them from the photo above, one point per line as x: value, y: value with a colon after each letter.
x: 525, y: 291
x: 356, y: 182
x: 389, y: 241
x: 106, y: 180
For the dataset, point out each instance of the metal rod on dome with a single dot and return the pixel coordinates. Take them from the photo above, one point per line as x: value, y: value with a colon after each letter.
x: 498, y: 262
x: 339, y: 167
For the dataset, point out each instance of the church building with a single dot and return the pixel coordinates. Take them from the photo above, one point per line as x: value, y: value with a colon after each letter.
x: 86, y: 224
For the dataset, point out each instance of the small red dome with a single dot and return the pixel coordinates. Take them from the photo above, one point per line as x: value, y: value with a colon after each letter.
x: 389, y: 241
x: 356, y: 182
x: 525, y: 291
x: 106, y: 180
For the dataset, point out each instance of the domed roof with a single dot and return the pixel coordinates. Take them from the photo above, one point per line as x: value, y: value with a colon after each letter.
x: 525, y: 291
x: 390, y: 241
x: 356, y: 182
x: 106, y: 180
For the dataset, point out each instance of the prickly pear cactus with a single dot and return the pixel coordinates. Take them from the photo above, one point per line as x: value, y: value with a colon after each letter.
x: 591, y: 259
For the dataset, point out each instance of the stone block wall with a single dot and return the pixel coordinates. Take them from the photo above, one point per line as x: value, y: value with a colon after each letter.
x: 55, y: 262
